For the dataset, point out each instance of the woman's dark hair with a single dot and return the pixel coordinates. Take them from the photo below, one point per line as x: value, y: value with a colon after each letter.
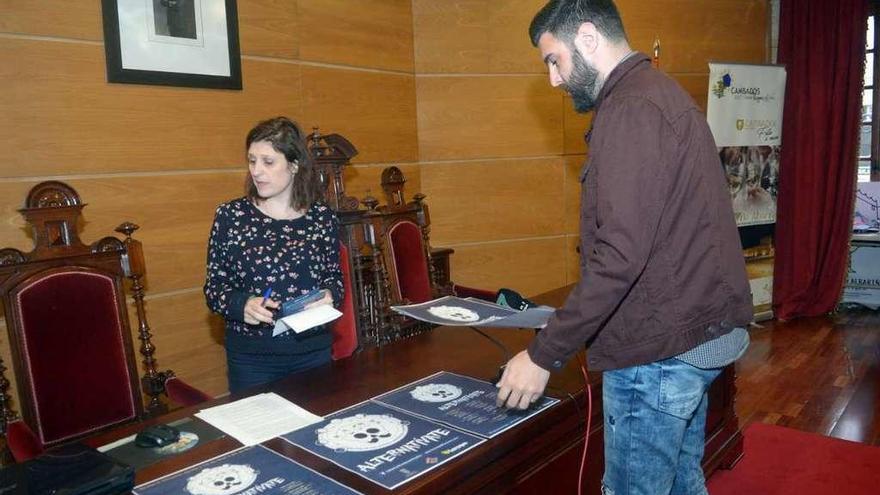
x: 563, y: 18
x: 287, y: 139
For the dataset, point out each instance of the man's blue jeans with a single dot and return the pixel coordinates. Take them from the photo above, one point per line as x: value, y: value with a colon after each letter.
x: 655, y: 422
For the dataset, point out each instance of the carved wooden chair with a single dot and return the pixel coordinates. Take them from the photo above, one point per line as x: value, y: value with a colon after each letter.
x: 369, y: 296
x: 413, y: 271
x: 69, y: 331
x: 389, y: 257
x: 331, y: 154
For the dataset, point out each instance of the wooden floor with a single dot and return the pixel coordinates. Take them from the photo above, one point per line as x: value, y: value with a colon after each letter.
x: 820, y: 375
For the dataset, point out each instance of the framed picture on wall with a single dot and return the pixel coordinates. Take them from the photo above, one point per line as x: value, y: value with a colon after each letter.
x: 191, y: 43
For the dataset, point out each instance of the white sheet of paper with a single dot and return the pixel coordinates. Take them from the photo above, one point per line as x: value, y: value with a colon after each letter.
x: 258, y: 418
x: 304, y: 320
x: 280, y: 328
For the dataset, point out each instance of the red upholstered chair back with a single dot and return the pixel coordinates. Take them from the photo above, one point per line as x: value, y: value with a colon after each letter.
x: 74, y: 361
x: 409, y: 262
x: 344, y: 329
x: 389, y: 254
x: 67, y: 320
x: 400, y: 232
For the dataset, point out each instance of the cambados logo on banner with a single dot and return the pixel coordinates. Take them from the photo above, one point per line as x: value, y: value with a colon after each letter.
x: 724, y: 86
x: 745, y: 114
x: 720, y: 89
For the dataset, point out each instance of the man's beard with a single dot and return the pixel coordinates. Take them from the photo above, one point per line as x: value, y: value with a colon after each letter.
x: 583, y: 84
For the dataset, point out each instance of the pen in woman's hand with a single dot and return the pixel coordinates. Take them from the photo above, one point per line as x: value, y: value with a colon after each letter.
x: 266, y: 295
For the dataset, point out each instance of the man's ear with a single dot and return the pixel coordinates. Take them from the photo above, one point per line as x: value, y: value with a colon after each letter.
x: 587, y: 38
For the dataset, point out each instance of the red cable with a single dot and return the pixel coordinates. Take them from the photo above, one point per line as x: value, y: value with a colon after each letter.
x: 589, y: 417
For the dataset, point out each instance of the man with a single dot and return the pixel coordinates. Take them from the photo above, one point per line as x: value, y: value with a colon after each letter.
x: 663, y: 298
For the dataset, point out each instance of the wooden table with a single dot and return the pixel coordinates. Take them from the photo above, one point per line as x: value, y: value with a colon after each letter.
x: 541, y: 455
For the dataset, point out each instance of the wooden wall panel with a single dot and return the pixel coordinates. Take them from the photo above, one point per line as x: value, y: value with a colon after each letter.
x: 475, y: 36
x: 488, y: 117
x: 174, y: 213
x: 56, y: 18
x: 375, y: 111
x: 14, y: 232
x: 175, y: 217
x: 61, y: 117
x: 482, y: 36
x: 697, y: 85
x: 362, y: 180
x: 528, y: 266
x: 485, y: 201
x: 188, y: 339
x: 269, y: 28
x: 693, y: 32
x: 366, y: 33
x: 451, y: 36
x: 511, y: 49
x: 265, y: 27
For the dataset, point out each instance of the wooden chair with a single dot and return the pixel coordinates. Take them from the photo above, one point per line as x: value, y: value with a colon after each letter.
x: 332, y: 153
x: 412, y: 270
x: 389, y: 258
x: 69, y: 331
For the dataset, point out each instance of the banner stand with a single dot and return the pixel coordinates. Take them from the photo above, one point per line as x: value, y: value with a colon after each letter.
x: 744, y: 112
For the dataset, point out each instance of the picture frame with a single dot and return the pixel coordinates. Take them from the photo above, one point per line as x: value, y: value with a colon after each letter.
x: 190, y: 43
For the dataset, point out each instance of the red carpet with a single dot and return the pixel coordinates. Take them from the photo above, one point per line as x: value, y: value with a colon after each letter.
x: 782, y: 461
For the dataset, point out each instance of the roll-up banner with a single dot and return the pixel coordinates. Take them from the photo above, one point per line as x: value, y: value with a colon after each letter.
x: 745, y: 114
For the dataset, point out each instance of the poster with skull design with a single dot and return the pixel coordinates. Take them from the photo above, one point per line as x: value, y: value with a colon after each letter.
x: 457, y: 311
x: 461, y: 402
x: 247, y: 471
x: 384, y: 445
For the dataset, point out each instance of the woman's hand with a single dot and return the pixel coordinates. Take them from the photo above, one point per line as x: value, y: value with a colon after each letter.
x: 327, y: 299
x: 255, y: 313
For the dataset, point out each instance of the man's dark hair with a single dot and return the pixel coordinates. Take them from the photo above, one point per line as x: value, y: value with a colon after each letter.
x: 287, y: 139
x: 562, y: 18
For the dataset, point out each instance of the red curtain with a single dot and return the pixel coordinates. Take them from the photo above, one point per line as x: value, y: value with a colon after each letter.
x: 822, y: 44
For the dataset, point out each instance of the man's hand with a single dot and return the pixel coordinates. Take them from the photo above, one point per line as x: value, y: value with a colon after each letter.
x: 522, y: 383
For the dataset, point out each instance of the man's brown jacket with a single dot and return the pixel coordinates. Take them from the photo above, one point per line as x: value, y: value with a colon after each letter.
x: 662, y: 268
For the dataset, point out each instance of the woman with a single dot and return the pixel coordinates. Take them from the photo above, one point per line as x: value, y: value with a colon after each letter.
x: 279, y: 241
